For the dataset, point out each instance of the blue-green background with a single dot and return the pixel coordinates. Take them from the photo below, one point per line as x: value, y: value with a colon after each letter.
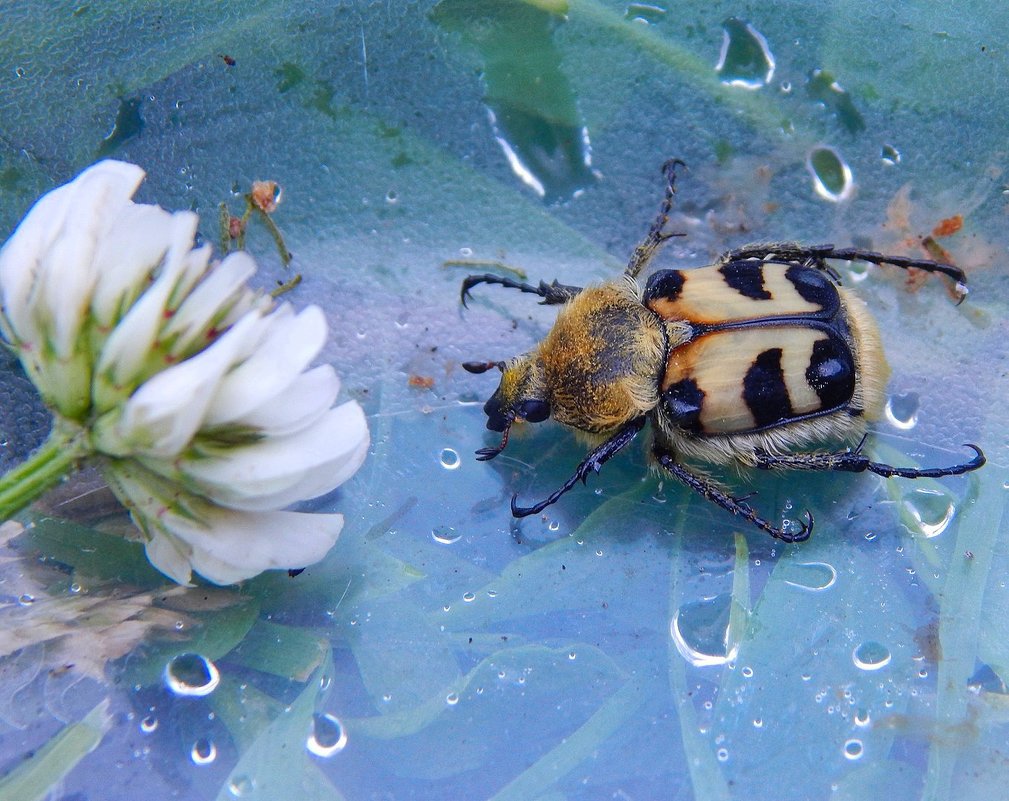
x: 535, y: 660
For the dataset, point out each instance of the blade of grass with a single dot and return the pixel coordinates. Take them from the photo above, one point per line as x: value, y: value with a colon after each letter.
x: 34, y: 777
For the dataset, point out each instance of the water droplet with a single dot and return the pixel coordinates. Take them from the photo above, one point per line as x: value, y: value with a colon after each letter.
x: 572, y: 655
x: 811, y: 576
x: 832, y: 178
x: 645, y: 12
x: 745, y: 60
x: 149, y: 724
x: 722, y: 754
x: 932, y: 510
x: 469, y: 597
x: 27, y: 599
x: 889, y: 154
x: 853, y: 749
x: 328, y: 736
x: 902, y: 410
x: 203, y: 752
x: 862, y: 718
x: 391, y: 197
x: 75, y: 588
x: 446, y: 535
x: 758, y: 723
x: 241, y: 786
x: 786, y: 87
x: 871, y: 655
x: 450, y: 459
x: 191, y: 674
x: 452, y: 699
x: 554, y: 525
x: 700, y: 631
x: 747, y: 672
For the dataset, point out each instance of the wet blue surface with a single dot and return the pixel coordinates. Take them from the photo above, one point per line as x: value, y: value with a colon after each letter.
x: 633, y: 642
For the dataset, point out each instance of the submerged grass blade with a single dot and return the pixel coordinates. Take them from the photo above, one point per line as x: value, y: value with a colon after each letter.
x: 961, y: 605
x: 34, y: 777
x: 554, y: 765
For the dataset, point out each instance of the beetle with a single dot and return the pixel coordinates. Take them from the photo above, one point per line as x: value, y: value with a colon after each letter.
x: 759, y: 360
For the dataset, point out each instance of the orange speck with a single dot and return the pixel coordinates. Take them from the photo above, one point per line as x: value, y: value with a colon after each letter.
x: 420, y: 382
x: 265, y: 196
x: 949, y: 226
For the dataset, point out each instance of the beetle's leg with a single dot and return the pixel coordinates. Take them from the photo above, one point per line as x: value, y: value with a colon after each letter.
x: 552, y: 293
x: 854, y: 461
x: 815, y: 255
x: 737, y: 506
x: 590, y: 464
x: 655, y: 237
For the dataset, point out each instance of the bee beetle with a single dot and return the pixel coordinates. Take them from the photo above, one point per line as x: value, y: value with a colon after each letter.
x: 757, y: 361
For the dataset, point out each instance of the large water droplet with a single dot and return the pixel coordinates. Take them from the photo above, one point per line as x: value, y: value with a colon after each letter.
x: 932, y: 510
x: 812, y: 576
x: 700, y: 631
x: 204, y: 752
x: 446, y: 535
x: 853, y: 749
x: 871, y: 655
x: 832, y: 179
x: 902, y: 410
x: 450, y: 459
x: 328, y: 736
x: 191, y: 674
x: 745, y: 60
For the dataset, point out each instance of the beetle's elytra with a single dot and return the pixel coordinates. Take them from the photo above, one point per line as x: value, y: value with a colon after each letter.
x: 757, y: 360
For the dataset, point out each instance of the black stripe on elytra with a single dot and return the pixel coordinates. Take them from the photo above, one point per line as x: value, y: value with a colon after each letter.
x: 815, y: 286
x: 682, y: 402
x: 746, y: 277
x: 831, y: 372
x: 666, y: 284
x: 764, y: 390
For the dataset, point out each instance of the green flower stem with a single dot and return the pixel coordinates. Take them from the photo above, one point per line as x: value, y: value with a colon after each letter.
x: 43, y: 469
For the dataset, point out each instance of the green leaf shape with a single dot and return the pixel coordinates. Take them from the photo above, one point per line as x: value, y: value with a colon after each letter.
x: 39, y: 773
x: 284, y: 651
x: 93, y: 554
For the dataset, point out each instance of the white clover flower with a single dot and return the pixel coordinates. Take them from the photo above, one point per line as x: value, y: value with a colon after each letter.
x: 193, y: 392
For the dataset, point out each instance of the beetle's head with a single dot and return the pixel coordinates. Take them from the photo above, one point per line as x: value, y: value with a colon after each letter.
x: 521, y: 395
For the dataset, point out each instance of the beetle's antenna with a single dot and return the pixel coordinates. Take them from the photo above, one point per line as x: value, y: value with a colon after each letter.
x: 649, y: 246
x: 486, y: 454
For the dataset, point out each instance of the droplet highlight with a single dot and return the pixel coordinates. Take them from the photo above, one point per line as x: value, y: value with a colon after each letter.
x: 446, y: 535
x: 191, y: 674
x: 811, y: 576
x: 203, y: 752
x: 449, y: 459
x: 871, y: 655
x: 832, y: 178
x: 700, y: 631
x: 328, y: 736
x: 931, y: 510
x: 745, y: 60
x: 901, y: 411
